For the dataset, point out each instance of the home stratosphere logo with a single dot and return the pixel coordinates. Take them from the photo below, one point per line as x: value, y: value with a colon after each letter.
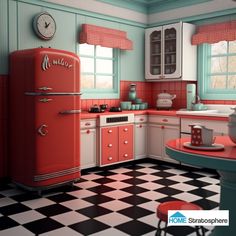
x: 198, y: 217
x: 177, y: 218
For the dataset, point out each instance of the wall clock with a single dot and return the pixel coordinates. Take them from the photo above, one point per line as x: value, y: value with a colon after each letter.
x: 44, y: 26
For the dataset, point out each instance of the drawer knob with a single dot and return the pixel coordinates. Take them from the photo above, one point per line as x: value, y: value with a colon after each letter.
x: 109, y: 131
x: 88, y: 131
x: 141, y: 119
x: 125, y: 142
x: 126, y: 155
x: 87, y: 124
x: 140, y: 126
x: 125, y: 129
x: 109, y: 145
x: 162, y: 127
x: 109, y: 158
x: 165, y: 120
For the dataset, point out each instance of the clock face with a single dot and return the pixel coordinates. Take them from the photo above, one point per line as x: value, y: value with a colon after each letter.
x: 44, y: 26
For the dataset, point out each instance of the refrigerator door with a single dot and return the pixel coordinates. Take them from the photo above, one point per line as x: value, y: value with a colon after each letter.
x: 54, y: 71
x: 56, y: 146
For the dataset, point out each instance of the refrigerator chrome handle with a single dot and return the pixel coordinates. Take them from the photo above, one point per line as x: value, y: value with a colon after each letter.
x: 42, y: 131
x: 69, y: 112
x: 52, y: 94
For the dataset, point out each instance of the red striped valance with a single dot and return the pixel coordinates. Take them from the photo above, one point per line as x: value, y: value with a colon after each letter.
x: 215, y: 33
x: 106, y: 37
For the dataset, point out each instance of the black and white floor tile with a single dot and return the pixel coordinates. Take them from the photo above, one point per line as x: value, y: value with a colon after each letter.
x: 114, y: 201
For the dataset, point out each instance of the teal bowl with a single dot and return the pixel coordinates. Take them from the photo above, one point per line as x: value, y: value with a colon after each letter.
x: 142, y: 106
x: 125, y: 105
x: 138, y: 100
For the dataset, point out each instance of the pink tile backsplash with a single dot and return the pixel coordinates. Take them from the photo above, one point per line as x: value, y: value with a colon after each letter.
x: 147, y: 91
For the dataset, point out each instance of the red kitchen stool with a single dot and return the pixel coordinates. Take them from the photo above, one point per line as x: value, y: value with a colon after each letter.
x: 162, y: 214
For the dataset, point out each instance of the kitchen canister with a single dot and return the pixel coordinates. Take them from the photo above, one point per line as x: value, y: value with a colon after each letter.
x: 132, y: 92
x: 191, y: 94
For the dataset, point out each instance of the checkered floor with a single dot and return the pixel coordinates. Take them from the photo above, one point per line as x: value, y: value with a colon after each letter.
x: 117, y: 201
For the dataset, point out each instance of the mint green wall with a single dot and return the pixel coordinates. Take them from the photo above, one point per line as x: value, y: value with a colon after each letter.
x: 16, y: 33
x: 3, y: 37
x: 130, y: 60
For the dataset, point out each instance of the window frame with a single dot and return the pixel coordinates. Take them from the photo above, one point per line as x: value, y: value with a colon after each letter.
x: 96, y: 93
x: 204, y: 52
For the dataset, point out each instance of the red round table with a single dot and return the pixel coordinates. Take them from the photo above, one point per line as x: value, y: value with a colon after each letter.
x: 224, y: 162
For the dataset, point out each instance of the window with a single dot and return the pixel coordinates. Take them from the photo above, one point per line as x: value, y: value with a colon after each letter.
x: 99, y: 71
x: 217, y: 67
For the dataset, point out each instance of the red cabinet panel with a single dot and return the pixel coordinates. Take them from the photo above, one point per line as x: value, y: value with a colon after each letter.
x: 109, y: 145
x: 126, y: 142
x: 116, y: 144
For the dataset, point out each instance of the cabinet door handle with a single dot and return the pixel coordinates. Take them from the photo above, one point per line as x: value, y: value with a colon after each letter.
x: 109, y: 145
x: 140, y: 126
x: 109, y: 158
x: 88, y: 131
x: 42, y: 130
x: 125, y: 129
x: 109, y: 131
x: 125, y: 142
x: 162, y: 127
x: 126, y: 155
x: 87, y: 124
x: 165, y: 120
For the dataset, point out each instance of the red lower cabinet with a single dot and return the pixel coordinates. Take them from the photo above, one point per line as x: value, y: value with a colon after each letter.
x: 116, y: 144
x: 109, y: 145
x: 126, y: 143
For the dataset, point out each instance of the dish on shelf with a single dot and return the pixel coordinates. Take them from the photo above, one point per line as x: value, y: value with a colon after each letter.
x: 213, y: 147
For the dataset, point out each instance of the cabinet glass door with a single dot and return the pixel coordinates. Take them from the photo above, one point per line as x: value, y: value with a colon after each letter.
x: 172, y: 49
x: 155, y: 52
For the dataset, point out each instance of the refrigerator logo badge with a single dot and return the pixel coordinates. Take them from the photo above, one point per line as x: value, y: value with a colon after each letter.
x: 46, y: 63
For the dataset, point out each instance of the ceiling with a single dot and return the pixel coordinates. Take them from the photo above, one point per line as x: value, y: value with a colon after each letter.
x: 147, y: 1
x: 152, y: 6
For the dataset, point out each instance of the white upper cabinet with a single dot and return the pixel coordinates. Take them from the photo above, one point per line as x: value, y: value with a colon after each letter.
x: 169, y: 54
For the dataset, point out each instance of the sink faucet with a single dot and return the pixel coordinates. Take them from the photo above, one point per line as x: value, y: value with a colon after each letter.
x: 196, y: 100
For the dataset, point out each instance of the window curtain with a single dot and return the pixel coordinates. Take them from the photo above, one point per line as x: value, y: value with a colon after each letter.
x: 106, y: 37
x: 215, y: 33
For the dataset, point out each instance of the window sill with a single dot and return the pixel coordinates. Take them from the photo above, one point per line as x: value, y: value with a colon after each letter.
x: 94, y: 95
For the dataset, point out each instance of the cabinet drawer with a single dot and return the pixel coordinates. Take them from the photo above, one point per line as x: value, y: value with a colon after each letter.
x: 126, y: 138
x: 87, y: 123
x: 109, y: 136
x: 140, y: 119
x: 125, y: 130
x: 219, y: 127
x: 169, y: 120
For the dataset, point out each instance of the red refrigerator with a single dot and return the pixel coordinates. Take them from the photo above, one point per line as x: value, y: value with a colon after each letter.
x: 44, y: 89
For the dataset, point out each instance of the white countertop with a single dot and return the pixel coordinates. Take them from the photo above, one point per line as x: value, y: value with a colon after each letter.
x: 212, y: 110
